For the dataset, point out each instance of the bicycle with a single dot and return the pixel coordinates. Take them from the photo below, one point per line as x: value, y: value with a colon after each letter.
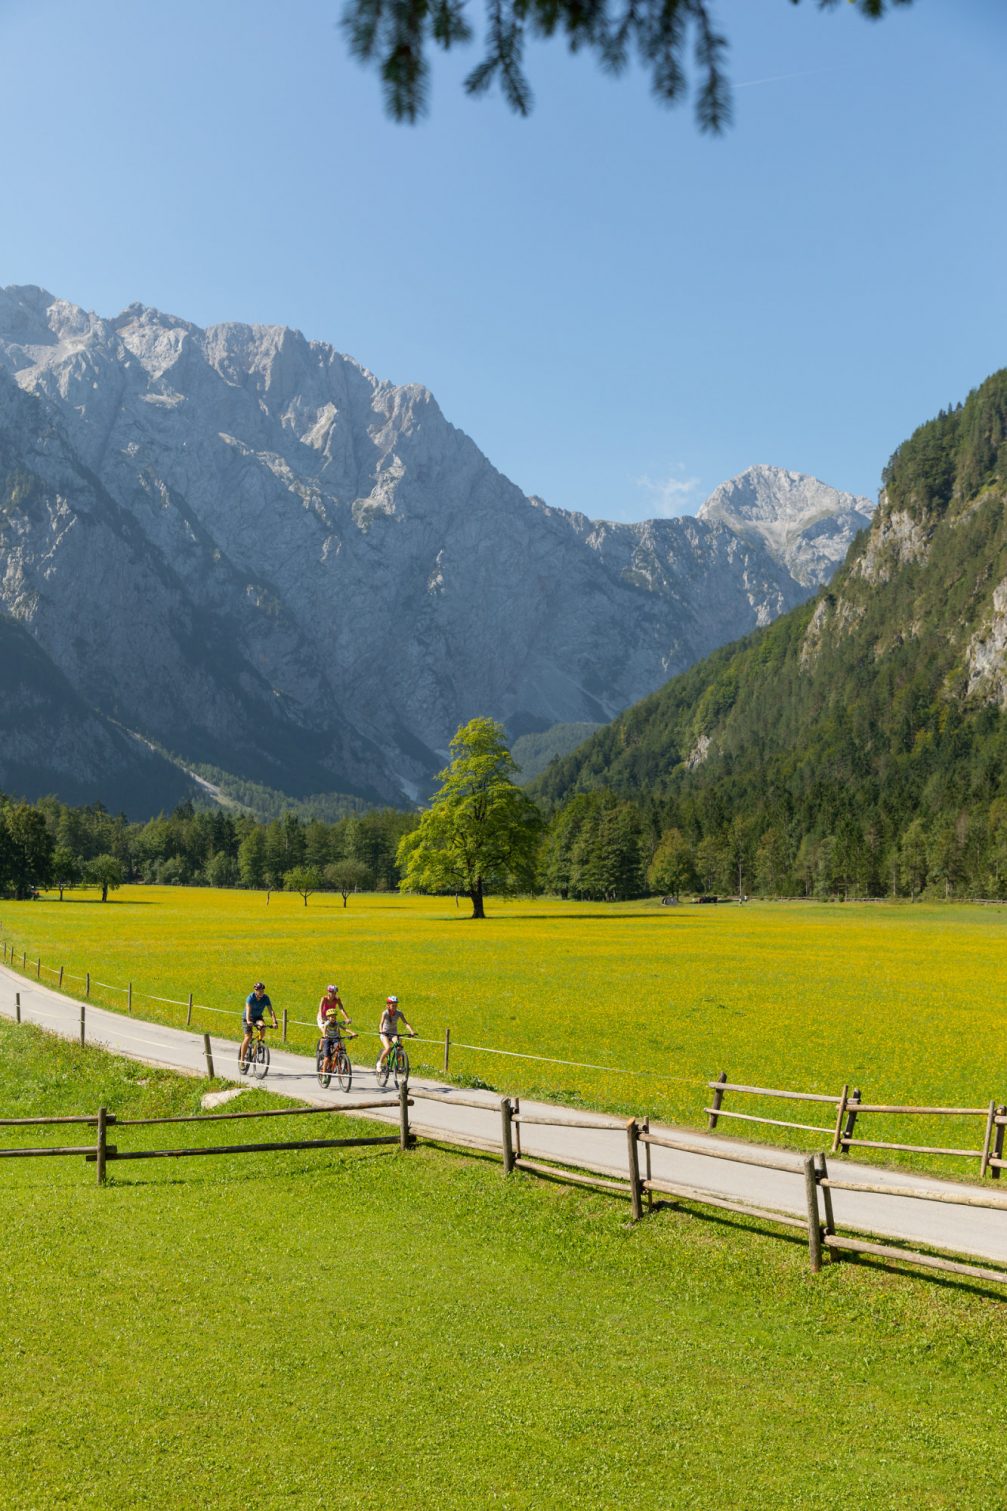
x: 257, y: 1057
x: 396, y: 1064
x: 338, y: 1059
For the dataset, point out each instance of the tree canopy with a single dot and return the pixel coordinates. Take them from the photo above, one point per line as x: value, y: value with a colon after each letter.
x: 397, y: 36
x: 481, y: 832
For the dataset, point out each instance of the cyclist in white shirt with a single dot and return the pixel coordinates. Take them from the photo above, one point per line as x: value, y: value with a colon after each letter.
x: 389, y: 1030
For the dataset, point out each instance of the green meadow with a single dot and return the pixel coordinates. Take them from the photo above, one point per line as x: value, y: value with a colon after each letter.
x: 370, y: 1329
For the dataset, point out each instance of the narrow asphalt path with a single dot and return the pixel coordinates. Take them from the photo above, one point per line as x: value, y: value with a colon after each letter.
x: 438, y: 1112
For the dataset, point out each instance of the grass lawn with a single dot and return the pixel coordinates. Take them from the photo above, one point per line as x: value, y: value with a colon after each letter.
x: 364, y: 1328
x: 903, y: 1001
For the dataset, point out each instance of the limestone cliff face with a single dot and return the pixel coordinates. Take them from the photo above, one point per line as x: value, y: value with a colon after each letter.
x: 244, y: 545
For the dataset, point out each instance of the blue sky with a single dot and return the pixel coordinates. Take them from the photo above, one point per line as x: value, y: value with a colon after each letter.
x: 621, y: 312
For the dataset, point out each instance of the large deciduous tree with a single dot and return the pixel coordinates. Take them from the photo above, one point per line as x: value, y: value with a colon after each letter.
x: 480, y: 833
x: 397, y: 37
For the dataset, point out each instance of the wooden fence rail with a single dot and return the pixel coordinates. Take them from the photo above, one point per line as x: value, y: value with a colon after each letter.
x: 832, y: 1241
x: 850, y: 1107
x: 101, y: 1151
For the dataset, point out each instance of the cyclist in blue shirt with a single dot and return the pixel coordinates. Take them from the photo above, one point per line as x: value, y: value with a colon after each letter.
x: 255, y: 1007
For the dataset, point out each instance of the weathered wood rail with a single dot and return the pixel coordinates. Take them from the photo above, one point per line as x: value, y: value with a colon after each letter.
x: 101, y: 1152
x: 850, y: 1107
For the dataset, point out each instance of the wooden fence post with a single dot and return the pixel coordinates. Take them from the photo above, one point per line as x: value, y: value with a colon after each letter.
x: 24, y: 960
x: 87, y: 983
x: 129, y: 996
x: 82, y: 1025
x: 718, y: 1097
x: 188, y: 1012
x: 998, y: 1143
x: 851, y: 1120
x: 38, y: 969
x: 17, y: 1007
x: 506, y: 1116
x: 814, y: 1225
x: 208, y: 1052
x: 100, y: 1151
x: 635, y: 1193
x: 840, y: 1114
x: 984, y: 1163
x: 823, y: 1174
x: 284, y: 1025
x: 403, y: 1117
x: 61, y: 978
x: 447, y: 1050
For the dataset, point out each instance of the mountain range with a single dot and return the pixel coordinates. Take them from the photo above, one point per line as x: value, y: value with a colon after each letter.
x: 236, y: 550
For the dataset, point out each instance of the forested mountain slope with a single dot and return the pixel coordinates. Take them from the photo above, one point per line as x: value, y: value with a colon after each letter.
x: 861, y: 739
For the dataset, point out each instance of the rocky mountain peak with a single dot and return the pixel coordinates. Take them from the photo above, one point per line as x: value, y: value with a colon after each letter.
x: 802, y: 521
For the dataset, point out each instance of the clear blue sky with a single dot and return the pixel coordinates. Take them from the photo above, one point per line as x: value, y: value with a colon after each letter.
x: 621, y: 312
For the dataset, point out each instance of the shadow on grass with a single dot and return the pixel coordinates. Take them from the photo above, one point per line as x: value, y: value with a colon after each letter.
x: 564, y: 917
x: 306, y: 1166
x: 93, y: 902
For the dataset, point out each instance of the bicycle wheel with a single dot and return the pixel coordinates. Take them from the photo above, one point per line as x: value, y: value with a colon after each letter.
x: 344, y: 1070
x: 323, y: 1075
x: 401, y: 1067
x: 260, y: 1064
x: 382, y: 1072
x: 243, y: 1063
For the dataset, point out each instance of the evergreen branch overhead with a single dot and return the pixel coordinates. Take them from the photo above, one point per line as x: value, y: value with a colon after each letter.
x: 397, y: 37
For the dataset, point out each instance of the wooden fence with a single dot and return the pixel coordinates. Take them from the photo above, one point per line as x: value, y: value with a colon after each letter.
x: 816, y: 1222
x: 848, y: 1107
x: 101, y: 1152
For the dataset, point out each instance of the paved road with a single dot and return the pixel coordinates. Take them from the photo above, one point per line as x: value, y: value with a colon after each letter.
x: 438, y: 1111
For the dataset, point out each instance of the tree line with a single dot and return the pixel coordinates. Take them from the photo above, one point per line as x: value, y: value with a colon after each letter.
x: 51, y: 844
x: 598, y: 846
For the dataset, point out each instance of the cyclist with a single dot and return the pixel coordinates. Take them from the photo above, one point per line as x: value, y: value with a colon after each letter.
x: 255, y: 1007
x: 388, y: 1029
x: 328, y: 1022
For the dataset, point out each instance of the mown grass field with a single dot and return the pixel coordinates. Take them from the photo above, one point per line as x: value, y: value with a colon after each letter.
x: 370, y: 1329
x: 903, y: 1001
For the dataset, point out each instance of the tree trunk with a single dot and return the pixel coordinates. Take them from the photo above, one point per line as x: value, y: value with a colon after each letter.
x: 104, y: 891
x: 476, y: 894
x: 345, y: 896
x: 61, y: 894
